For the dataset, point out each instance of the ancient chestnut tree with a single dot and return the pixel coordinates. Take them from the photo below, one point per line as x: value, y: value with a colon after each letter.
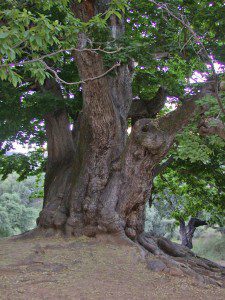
x: 75, y: 75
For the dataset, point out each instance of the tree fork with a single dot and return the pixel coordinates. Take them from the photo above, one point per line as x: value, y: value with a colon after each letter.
x: 106, y: 174
x: 187, y: 232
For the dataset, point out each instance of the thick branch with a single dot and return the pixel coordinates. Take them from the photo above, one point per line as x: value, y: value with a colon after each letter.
x: 147, y: 109
x: 174, y: 121
x: 195, y: 222
x: 157, y: 136
x: 211, y: 126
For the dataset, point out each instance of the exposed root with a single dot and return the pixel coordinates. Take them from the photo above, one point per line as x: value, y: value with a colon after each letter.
x: 179, y: 260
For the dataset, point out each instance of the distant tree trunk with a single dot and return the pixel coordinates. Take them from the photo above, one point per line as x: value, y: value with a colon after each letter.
x: 98, y: 178
x: 187, y: 232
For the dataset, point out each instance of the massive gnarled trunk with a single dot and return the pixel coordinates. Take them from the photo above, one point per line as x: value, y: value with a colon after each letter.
x: 98, y: 178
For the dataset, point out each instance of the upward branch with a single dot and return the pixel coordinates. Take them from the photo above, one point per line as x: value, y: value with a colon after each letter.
x: 174, y: 121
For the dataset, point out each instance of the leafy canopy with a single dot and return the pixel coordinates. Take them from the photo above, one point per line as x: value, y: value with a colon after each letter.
x: 36, y: 33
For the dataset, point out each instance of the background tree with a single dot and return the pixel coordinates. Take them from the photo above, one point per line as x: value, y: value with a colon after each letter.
x: 19, y: 205
x: 158, y: 224
x: 190, y: 194
x: 191, y: 186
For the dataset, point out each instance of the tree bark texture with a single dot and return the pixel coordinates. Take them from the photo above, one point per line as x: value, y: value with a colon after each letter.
x: 98, y: 179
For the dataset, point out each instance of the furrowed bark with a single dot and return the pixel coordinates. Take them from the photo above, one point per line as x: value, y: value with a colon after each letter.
x: 108, y: 176
x: 99, y: 136
x: 58, y: 168
x: 149, y: 142
x: 106, y: 104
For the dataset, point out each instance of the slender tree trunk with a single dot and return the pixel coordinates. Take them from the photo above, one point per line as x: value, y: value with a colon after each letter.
x: 187, y: 232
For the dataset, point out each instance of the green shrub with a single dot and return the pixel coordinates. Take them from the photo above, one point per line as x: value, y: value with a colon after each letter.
x: 17, y: 210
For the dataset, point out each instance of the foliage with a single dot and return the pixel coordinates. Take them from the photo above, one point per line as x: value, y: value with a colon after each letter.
x: 190, y: 188
x: 211, y: 246
x: 18, y: 207
x: 34, y: 33
x: 192, y: 146
x: 193, y: 185
x: 31, y: 29
x: 162, y: 34
x: 157, y: 225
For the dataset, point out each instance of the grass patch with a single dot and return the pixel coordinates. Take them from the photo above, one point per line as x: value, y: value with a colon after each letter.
x: 211, y: 246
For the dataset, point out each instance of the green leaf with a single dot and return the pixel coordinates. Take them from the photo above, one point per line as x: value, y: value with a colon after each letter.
x: 118, y: 14
x: 3, y: 35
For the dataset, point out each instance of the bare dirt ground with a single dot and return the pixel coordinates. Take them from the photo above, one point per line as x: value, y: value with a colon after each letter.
x: 85, y: 268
